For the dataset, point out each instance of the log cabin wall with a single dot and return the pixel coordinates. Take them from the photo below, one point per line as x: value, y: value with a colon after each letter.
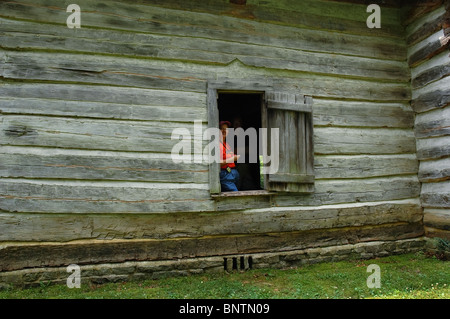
x: 428, y: 39
x: 87, y: 115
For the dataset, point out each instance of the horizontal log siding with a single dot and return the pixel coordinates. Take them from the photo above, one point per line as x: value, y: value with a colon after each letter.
x: 428, y: 55
x: 87, y: 116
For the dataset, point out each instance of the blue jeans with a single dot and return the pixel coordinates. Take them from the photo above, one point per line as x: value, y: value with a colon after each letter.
x: 228, y: 181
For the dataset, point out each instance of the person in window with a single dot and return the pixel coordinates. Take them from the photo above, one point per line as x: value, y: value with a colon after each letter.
x: 229, y: 176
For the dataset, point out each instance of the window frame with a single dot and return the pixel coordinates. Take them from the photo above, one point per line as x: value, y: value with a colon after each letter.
x: 214, y: 88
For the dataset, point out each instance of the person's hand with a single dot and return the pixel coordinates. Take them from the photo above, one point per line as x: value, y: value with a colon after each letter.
x: 236, y: 157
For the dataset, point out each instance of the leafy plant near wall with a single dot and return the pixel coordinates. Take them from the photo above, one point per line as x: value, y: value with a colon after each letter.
x: 441, y: 248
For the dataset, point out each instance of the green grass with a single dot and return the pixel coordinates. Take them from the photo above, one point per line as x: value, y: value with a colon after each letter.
x: 408, y: 276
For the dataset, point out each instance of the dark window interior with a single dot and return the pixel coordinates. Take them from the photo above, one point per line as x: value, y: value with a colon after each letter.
x: 244, y: 108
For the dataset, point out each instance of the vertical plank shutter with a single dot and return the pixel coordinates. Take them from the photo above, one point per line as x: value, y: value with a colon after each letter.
x: 292, y: 115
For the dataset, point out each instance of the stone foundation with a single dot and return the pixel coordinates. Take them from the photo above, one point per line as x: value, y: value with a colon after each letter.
x: 144, y: 270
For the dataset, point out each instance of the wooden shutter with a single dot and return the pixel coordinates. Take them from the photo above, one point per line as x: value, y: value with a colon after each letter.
x: 292, y: 115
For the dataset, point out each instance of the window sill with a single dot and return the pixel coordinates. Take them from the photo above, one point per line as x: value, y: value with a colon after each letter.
x: 242, y: 194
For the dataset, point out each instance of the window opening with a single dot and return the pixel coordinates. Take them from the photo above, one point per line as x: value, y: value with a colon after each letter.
x: 243, y: 110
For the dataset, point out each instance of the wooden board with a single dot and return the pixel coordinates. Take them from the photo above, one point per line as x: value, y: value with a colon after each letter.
x: 164, y: 19
x: 364, y: 166
x: 356, y: 190
x: 63, y: 164
x: 148, y: 136
x: 341, y: 141
x: 436, y: 194
x: 120, y: 70
x: 434, y: 171
x: 70, y: 227
x: 102, y: 251
x: 433, y: 148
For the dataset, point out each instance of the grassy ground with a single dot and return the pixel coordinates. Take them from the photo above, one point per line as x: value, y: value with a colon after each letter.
x: 409, y: 276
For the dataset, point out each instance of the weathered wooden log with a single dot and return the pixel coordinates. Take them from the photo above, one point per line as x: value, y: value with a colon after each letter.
x: 429, y: 48
x: 436, y: 195
x: 433, y: 74
x: 434, y: 171
x: 420, y: 8
x: 431, y: 232
x: 433, y: 123
x: 331, y: 87
x: 346, y: 191
x: 339, y: 141
x: 106, y: 251
x: 362, y: 166
x: 64, y: 164
x: 428, y: 24
x: 437, y: 218
x: 96, y: 93
x: 433, y: 148
x: 148, y: 136
x: 433, y: 96
x: 69, y: 227
x: 126, y: 197
x: 104, y: 110
x: 362, y: 114
x: 163, y: 19
x: 134, y: 72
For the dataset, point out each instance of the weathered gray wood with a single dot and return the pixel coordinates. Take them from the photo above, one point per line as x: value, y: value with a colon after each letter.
x: 68, y: 227
x: 358, y: 89
x: 291, y: 178
x: 428, y: 48
x: 285, y: 112
x: 108, y: 69
x: 116, y: 71
x: 103, y: 94
x: 421, y: 8
x: 133, y: 17
x: 291, y: 107
x: 433, y: 74
x: 356, y: 190
x: 434, y: 171
x: 340, y: 141
x: 364, y: 166
x: 330, y: 87
x: 88, y: 159
x: 96, y: 165
x: 94, y: 252
x: 75, y: 133
x: 327, y: 192
x: 53, y: 196
x: 433, y: 148
x: 213, y: 122
x: 236, y: 84
x: 362, y: 114
x: 105, y: 110
x: 433, y: 123
x: 434, y: 232
x: 431, y: 100
x: 436, y: 194
x: 427, y: 25
x: 103, y: 190
x: 437, y: 218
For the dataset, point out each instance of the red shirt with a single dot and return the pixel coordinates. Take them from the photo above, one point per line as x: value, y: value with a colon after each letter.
x: 226, y: 154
